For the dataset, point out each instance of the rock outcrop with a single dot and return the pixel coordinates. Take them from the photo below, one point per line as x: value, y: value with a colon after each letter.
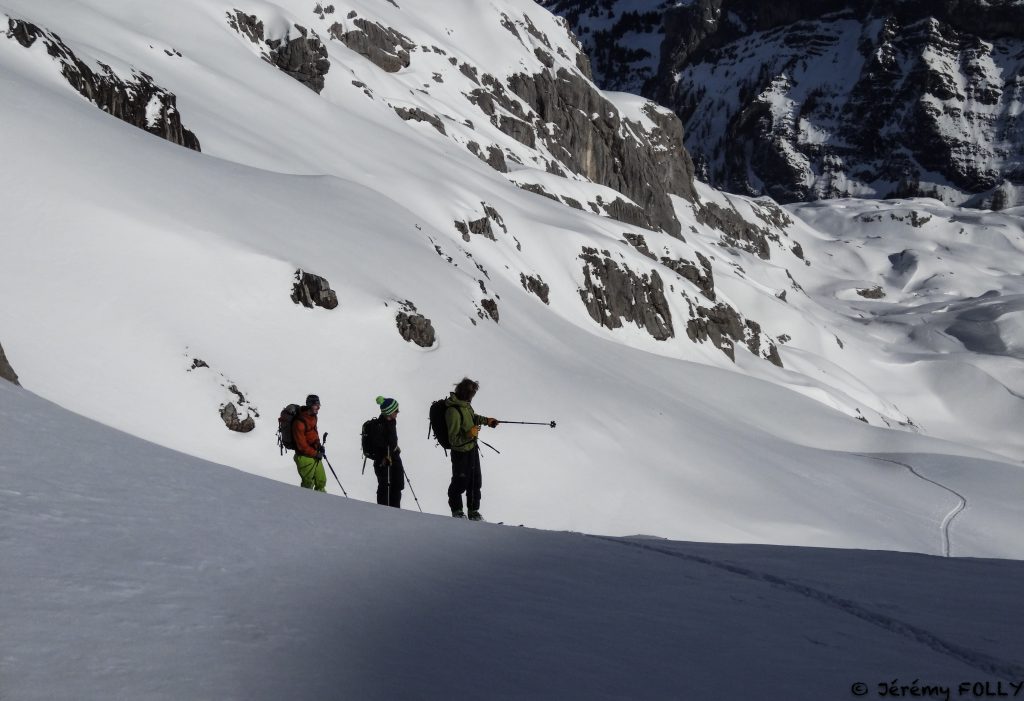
x: 414, y: 327
x: 6, y: 371
x: 312, y: 290
x: 614, y: 294
x: 136, y: 100
x: 303, y: 57
x: 587, y: 135
x: 385, y: 47
x: 724, y: 327
x: 234, y: 421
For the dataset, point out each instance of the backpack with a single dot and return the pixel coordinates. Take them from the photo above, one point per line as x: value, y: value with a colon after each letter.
x: 285, y: 437
x: 373, y: 440
x: 438, y: 426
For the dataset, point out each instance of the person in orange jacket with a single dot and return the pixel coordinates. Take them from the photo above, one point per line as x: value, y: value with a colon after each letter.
x: 309, y: 451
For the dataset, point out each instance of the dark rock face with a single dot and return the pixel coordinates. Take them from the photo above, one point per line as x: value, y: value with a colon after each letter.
x: 229, y: 414
x: 701, y: 276
x: 724, y: 327
x: 617, y: 64
x: 806, y: 100
x: 304, y: 57
x: 415, y: 327
x: 491, y: 308
x: 137, y: 101
x: 536, y: 285
x: 482, y: 226
x: 385, y: 47
x: 737, y: 231
x: 418, y: 114
x: 6, y: 371
x: 586, y: 135
x: 614, y: 294
x: 312, y: 290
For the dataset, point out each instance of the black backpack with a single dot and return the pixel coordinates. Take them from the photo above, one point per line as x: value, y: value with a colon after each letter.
x: 285, y: 437
x: 373, y: 439
x: 438, y: 426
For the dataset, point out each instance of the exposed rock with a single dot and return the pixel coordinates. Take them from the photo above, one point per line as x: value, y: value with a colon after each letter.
x: 6, y: 371
x: 303, y: 57
x: 721, y: 324
x: 638, y: 242
x: 482, y: 226
x: 875, y: 292
x: 414, y: 327
x: 495, y: 157
x: 420, y: 115
x: 385, y: 47
x: 702, y: 277
x: 312, y: 290
x: 535, y: 285
x: 737, y: 231
x: 137, y: 101
x: 537, y: 190
x: 229, y: 414
x: 617, y: 42
x: 921, y: 94
x: 585, y: 132
x: 614, y: 294
x: 491, y: 307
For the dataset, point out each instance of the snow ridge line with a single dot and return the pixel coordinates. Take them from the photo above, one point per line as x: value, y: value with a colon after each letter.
x: 972, y: 658
x: 946, y: 522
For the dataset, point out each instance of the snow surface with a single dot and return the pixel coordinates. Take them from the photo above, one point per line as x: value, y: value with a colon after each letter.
x: 131, y: 258
x: 134, y: 572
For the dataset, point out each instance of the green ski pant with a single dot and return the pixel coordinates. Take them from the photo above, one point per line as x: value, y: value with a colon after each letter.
x: 311, y: 472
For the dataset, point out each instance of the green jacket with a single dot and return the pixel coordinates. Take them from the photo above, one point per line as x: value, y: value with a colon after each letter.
x: 459, y: 417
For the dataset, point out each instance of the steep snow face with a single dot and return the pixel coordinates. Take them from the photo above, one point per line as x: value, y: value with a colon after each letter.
x: 804, y: 101
x: 712, y: 369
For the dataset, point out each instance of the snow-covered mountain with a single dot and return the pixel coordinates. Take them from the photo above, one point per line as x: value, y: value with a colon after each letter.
x: 378, y: 199
x: 846, y: 98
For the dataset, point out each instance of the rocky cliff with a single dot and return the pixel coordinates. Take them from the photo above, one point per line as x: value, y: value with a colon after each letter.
x: 810, y: 100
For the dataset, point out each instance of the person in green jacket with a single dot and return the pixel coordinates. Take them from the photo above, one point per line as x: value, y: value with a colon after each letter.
x: 463, y: 427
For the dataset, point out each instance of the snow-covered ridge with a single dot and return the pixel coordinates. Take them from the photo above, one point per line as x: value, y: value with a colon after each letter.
x: 715, y: 378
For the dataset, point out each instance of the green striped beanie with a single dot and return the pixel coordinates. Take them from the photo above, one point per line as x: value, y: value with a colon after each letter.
x: 388, y: 406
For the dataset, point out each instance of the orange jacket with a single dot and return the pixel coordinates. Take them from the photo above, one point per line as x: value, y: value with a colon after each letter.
x: 307, y: 439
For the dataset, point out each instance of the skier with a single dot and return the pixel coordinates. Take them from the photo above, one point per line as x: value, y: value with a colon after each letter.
x: 389, y: 470
x: 463, y: 427
x: 309, y: 451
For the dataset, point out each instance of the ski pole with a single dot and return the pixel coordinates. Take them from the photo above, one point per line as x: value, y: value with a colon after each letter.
x: 335, y: 475
x: 412, y: 490
x: 489, y: 446
x: 530, y: 423
x: 324, y: 443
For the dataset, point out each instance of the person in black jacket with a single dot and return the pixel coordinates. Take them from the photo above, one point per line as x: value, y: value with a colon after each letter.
x: 388, y: 468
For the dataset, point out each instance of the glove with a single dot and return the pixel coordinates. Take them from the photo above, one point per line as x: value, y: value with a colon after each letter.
x: 474, y: 432
x: 493, y: 423
x: 321, y: 454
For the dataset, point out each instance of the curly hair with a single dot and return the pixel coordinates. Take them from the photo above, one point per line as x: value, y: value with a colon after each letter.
x: 466, y: 389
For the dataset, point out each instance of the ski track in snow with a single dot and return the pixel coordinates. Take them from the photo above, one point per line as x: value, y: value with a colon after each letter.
x: 1007, y: 671
x: 947, y: 522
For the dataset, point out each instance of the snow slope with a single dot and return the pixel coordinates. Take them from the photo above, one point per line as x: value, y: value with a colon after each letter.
x: 130, y: 258
x: 134, y: 572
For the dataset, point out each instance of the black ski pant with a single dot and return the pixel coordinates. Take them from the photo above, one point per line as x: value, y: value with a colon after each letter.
x: 466, y: 478
x: 390, y: 481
